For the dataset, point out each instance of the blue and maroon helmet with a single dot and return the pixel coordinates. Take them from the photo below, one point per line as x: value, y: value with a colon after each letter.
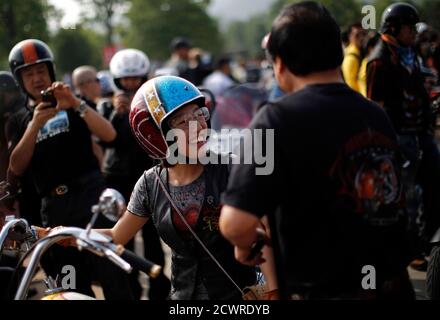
x: 152, y: 106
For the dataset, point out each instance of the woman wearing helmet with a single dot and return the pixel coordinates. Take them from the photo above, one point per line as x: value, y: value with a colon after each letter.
x: 193, y: 192
x: 125, y: 160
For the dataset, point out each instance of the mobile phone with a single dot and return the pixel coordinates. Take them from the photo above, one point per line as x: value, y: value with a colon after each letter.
x: 48, y: 97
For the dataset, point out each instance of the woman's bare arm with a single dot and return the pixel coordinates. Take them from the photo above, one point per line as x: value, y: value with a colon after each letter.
x: 125, y: 229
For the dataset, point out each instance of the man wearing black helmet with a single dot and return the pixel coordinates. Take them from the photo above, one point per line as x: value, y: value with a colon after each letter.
x: 50, y: 141
x: 11, y: 99
x: 395, y: 81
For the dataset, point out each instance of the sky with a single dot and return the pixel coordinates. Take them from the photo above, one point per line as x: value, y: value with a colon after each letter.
x: 225, y: 10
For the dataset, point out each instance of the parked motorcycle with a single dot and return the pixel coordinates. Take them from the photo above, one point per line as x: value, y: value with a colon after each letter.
x: 111, y: 205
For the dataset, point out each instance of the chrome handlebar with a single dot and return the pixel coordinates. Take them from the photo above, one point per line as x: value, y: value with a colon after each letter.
x: 29, y: 238
x: 94, y: 242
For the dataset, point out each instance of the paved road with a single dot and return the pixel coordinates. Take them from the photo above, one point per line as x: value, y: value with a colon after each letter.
x: 419, y: 282
x: 417, y: 277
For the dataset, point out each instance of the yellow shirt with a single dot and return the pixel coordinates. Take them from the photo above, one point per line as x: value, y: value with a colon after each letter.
x: 362, y: 77
x: 351, y: 65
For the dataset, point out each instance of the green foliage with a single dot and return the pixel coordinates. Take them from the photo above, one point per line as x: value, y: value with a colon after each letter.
x: 154, y: 23
x: 76, y: 47
x: 246, y: 36
x: 429, y: 10
x: 430, y: 13
x: 102, y: 13
x: 21, y: 20
x: 344, y: 11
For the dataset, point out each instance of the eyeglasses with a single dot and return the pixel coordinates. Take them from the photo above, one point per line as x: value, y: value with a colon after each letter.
x: 86, y: 82
x: 184, y: 120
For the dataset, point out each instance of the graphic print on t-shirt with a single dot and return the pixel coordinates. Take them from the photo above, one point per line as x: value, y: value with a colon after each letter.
x: 189, y: 200
x: 367, y: 177
x: 211, y: 215
x: 55, y: 126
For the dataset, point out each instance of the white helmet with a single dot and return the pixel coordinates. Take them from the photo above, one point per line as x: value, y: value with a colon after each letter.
x: 129, y: 63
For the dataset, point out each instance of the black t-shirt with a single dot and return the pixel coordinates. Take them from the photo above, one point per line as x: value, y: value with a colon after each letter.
x: 6, y: 112
x: 63, y: 151
x: 124, y: 156
x: 333, y: 198
x: 105, y: 107
x: 4, y: 156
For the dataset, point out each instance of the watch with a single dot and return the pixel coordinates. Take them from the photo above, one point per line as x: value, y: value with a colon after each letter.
x: 82, y: 109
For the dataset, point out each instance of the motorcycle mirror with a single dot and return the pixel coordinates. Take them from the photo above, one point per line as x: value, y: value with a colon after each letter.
x: 112, y: 204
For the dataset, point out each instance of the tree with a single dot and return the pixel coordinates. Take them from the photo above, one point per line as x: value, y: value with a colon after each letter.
x: 102, y: 12
x: 246, y: 36
x: 430, y: 12
x: 154, y: 23
x: 19, y: 22
x: 344, y: 11
x: 75, y: 47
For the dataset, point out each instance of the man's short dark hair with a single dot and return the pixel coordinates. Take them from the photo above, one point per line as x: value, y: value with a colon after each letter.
x: 306, y: 38
x: 222, y: 61
x: 356, y: 25
x: 180, y: 43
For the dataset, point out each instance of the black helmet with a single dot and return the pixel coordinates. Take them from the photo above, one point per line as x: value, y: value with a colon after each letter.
x: 7, y: 82
x: 399, y: 14
x: 30, y: 52
x: 8, y: 85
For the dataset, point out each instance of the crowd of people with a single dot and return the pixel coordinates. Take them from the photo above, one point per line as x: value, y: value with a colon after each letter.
x: 356, y: 177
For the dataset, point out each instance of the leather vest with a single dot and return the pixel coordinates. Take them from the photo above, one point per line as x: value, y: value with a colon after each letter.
x: 405, y: 97
x: 189, y: 260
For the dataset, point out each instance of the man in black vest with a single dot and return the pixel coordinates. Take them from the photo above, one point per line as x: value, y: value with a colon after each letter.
x: 395, y: 81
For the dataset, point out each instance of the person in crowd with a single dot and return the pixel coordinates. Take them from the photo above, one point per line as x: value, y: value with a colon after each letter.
x: 180, y: 58
x: 333, y: 197
x: 221, y: 79
x: 50, y: 142
x: 86, y: 82
x: 125, y: 161
x: 353, y: 56
x: 395, y: 81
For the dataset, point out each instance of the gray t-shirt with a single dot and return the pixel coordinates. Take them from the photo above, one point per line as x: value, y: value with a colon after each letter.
x: 139, y: 201
x: 188, y: 198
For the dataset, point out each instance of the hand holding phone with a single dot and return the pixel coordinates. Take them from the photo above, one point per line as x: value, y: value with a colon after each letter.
x: 48, y: 97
